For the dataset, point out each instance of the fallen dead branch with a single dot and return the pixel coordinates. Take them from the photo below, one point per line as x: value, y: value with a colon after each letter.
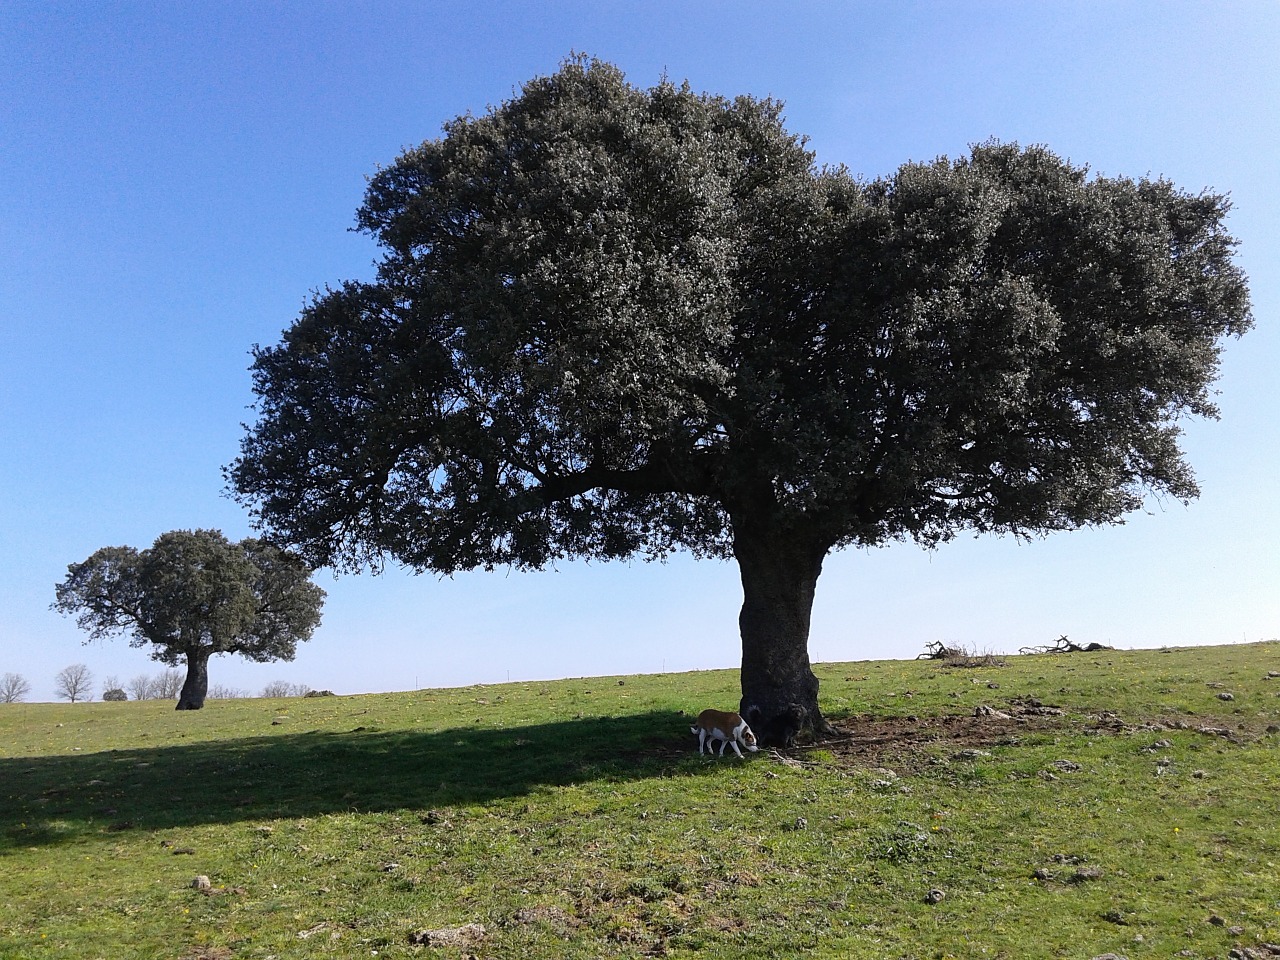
x: 1063, y: 645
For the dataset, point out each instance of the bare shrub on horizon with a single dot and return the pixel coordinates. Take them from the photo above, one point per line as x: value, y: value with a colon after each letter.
x: 283, y: 688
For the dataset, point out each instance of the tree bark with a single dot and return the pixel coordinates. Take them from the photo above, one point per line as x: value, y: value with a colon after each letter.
x: 779, y: 571
x: 196, y: 686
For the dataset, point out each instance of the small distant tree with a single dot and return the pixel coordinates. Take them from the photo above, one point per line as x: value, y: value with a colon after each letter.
x: 283, y: 688
x: 13, y: 688
x: 193, y: 594
x: 167, y: 685
x: 140, y: 687
x: 73, y: 683
x: 113, y: 689
x: 221, y: 691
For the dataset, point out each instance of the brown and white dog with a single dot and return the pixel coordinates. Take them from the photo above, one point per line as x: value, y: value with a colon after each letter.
x: 729, y: 728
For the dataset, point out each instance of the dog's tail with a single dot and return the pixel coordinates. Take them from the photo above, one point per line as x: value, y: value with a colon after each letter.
x: 694, y: 728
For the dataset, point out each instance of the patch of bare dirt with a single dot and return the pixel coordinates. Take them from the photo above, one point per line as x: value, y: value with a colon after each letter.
x: 869, y: 739
x: 207, y: 953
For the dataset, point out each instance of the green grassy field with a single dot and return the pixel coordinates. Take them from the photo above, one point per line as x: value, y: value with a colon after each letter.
x: 1124, y: 802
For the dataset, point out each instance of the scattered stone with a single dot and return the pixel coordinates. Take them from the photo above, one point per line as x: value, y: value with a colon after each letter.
x: 1216, y: 920
x: 935, y: 896
x: 434, y: 818
x: 989, y: 713
x: 1040, y: 873
x: 279, y: 720
x: 202, y: 883
x: 1273, y: 728
x: 1116, y: 917
x: 1226, y: 696
x: 1236, y: 931
x: 972, y: 754
x: 1109, y: 956
x: 1271, y: 675
x: 467, y: 935
x: 1214, y: 731
x: 184, y: 851
x: 1085, y: 874
x: 1067, y: 766
x: 801, y: 823
x: 390, y: 867
x: 1159, y: 745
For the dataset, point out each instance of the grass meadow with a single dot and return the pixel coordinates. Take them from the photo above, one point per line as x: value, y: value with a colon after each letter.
x: 1058, y: 805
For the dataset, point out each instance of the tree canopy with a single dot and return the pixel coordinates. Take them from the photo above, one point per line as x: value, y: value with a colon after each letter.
x: 611, y: 321
x: 193, y: 594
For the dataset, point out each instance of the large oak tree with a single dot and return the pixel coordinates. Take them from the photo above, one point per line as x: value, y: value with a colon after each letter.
x: 611, y: 321
x: 194, y: 594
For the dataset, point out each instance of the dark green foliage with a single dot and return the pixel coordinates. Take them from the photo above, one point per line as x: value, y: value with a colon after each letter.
x: 611, y: 321
x: 115, y: 693
x: 194, y: 594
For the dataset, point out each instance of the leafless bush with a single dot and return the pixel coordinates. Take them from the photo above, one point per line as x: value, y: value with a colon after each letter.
x: 222, y: 692
x: 282, y: 688
x: 162, y: 686
x: 168, y: 684
x: 959, y: 656
x: 139, y: 687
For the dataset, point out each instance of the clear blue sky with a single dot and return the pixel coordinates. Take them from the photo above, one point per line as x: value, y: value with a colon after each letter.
x: 176, y: 178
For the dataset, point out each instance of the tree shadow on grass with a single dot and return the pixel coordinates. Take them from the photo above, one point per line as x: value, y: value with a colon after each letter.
x: 58, y: 799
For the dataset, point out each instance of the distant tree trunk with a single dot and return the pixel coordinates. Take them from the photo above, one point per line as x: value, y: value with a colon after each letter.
x: 779, y: 574
x: 196, y: 686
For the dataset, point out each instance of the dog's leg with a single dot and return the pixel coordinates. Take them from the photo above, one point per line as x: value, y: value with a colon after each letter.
x: 735, y: 748
x: 702, y: 740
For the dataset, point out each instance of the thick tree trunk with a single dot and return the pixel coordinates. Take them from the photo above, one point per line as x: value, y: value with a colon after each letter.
x: 196, y: 686
x: 779, y: 574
